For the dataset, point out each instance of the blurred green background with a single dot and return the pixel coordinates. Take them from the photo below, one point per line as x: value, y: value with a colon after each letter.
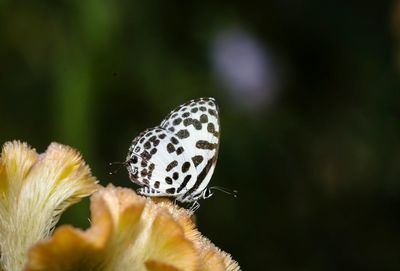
x: 309, y: 105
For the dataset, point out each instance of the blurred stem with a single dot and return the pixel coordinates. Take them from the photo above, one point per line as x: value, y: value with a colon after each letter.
x: 73, y: 119
x: 73, y: 107
x: 74, y: 97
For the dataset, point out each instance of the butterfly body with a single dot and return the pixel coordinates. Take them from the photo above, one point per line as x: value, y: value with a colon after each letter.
x: 178, y: 157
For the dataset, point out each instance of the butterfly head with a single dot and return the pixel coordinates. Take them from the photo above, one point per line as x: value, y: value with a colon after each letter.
x: 132, y: 163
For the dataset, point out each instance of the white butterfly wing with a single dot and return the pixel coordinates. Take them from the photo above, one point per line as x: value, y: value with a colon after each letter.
x: 196, y: 124
x: 178, y: 157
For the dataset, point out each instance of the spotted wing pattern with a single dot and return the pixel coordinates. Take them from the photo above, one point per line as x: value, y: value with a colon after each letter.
x: 196, y: 124
x: 157, y: 163
x: 178, y: 157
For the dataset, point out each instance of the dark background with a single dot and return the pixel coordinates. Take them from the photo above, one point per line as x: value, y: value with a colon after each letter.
x: 309, y: 106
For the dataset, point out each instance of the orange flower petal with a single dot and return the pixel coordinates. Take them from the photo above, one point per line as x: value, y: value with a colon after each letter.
x: 130, y: 232
x: 168, y: 244
x: 35, y: 190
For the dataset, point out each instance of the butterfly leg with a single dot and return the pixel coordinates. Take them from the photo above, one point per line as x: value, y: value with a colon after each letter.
x: 194, y: 206
x: 141, y: 191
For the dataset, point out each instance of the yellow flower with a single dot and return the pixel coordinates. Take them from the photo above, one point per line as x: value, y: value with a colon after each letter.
x: 130, y: 232
x: 34, y: 191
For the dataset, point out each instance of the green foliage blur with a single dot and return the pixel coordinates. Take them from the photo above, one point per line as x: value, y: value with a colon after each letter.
x: 314, y: 151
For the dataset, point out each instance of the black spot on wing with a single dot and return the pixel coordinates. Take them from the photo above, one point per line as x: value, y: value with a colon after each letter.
x: 145, y: 155
x: 171, y: 165
x: 185, y: 167
x: 182, y: 134
x: 170, y: 190
x: 151, y: 167
x: 174, y: 140
x: 179, y: 150
x: 211, y: 128
x: 147, y: 145
x: 197, y: 124
x: 168, y: 180
x: 203, y: 118
x: 184, y: 183
x: 197, y: 160
x: 170, y: 148
x: 188, y: 121
x: 177, y: 121
x: 144, y: 173
x: 205, y: 145
x: 212, y: 112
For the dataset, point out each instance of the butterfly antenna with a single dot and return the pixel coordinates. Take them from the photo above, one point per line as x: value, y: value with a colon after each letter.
x: 234, y: 193
x: 120, y: 164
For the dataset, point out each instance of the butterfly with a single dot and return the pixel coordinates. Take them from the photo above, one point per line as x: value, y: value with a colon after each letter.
x: 178, y: 157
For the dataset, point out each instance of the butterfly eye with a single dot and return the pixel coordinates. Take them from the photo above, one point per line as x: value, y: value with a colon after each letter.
x: 134, y: 159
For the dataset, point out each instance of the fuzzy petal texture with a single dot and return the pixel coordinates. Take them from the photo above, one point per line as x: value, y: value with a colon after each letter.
x: 34, y: 191
x: 130, y: 232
